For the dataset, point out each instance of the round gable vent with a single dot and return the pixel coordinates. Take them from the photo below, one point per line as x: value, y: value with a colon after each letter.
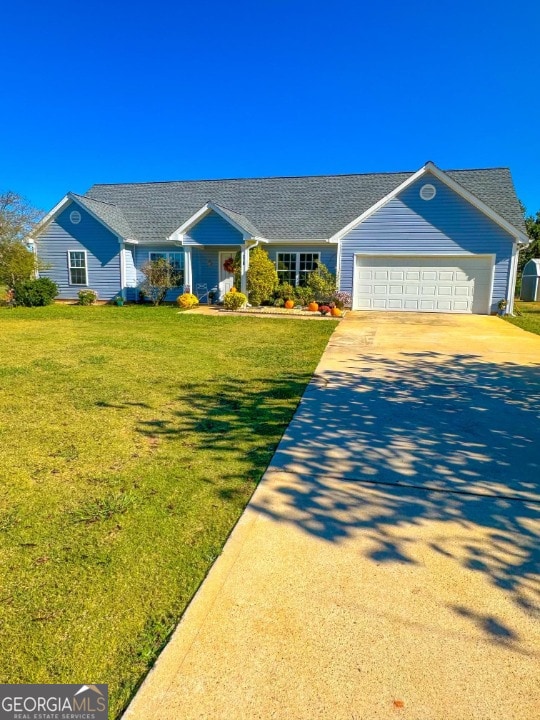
x: 75, y: 217
x: 428, y: 192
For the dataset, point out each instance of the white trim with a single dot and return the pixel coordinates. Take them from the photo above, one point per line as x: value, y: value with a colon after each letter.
x: 244, y: 266
x: 188, y: 270
x: 206, y: 209
x: 297, y: 265
x: 222, y: 285
x: 431, y: 191
x: 512, y: 278
x: 294, y: 241
x: 57, y: 209
x: 70, y: 268
x: 467, y: 255
x: 444, y: 178
x: 123, y: 270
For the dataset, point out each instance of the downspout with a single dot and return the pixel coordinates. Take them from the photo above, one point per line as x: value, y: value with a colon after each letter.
x: 245, y: 266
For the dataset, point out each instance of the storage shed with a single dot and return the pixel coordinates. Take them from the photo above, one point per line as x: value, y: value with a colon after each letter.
x: 530, y: 282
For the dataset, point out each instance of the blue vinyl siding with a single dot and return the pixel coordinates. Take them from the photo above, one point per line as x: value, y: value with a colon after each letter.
x: 205, y: 265
x: 213, y: 230
x: 102, y: 252
x: 327, y: 252
x: 142, y: 256
x: 447, y: 224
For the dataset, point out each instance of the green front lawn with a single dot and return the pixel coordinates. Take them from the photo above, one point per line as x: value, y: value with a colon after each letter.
x: 130, y: 441
x: 529, y: 317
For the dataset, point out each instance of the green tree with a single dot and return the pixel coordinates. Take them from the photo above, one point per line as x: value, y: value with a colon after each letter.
x: 17, y: 218
x: 532, y: 223
x: 262, y: 276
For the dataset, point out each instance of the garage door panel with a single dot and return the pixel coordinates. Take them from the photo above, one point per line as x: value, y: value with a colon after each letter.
x: 423, y: 283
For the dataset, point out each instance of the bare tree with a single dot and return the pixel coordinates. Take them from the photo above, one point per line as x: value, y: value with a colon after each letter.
x: 17, y: 218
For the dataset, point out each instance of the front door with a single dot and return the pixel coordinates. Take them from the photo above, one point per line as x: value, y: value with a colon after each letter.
x: 226, y: 278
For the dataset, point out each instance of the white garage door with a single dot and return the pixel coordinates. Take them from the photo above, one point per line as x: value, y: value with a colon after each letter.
x: 423, y: 283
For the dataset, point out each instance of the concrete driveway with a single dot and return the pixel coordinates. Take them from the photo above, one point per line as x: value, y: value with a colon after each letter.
x: 387, y: 564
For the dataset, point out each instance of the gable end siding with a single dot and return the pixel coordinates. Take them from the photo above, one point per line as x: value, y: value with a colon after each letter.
x: 102, y: 253
x: 446, y: 225
x: 213, y: 230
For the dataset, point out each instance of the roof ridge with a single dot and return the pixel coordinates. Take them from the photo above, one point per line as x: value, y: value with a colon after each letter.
x: 289, y: 177
x: 103, y: 202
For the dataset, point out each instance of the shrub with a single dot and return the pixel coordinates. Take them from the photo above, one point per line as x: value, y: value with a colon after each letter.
x: 304, y: 295
x: 187, y: 300
x: 284, y: 291
x: 6, y: 297
x: 262, y: 276
x: 32, y: 293
x: 324, y: 309
x: 87, y: 297
x: 342, y: 299
x: 234, y: 300
x: 322, y: 283
x: 279, y: 302
x: 159, y: 277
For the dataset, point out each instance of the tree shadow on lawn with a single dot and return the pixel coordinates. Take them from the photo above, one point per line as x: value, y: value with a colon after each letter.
x: 390, y: 444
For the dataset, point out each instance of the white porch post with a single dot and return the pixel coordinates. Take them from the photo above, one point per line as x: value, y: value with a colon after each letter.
x: 188, y: 277
x: 123, y: 291
x: 244, y: 265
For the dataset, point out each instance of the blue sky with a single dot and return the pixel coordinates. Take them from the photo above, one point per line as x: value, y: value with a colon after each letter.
x: 121, y: 91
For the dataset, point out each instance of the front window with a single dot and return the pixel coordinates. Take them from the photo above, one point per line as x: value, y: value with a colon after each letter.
x: 78, y: 271
x: 175, y: 260
x: 295, y: 268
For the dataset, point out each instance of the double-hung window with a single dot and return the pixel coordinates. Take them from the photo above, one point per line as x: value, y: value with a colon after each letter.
x: 175, y: 260
x: 295, y: 268
x: 77, y: 267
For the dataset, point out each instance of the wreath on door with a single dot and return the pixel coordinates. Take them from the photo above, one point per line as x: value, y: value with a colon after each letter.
x: 228, y: 265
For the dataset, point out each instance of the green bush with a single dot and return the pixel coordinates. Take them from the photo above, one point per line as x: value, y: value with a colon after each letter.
x: 262, y: 276
x: 87, y: 297
x: 32, y: 293
x: 304, y: 295
x: 279, y: 302
x: 322, y: 284
x: 234, y: 300
x: 285, y: 291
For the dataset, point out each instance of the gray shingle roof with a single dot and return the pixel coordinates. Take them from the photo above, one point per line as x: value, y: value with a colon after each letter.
x: 111, y: 214
x: 307, y: 208
x: 240, y: 219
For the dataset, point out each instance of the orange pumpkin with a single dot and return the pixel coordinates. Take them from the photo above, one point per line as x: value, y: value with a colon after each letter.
x: 289, y: 304
x: 313, y: 306
x: 336, y: 312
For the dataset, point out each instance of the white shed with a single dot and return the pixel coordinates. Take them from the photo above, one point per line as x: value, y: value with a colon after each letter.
x: 530, y: 282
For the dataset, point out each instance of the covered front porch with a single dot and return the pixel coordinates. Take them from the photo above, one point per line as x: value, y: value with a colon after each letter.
x: 209, y: 273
